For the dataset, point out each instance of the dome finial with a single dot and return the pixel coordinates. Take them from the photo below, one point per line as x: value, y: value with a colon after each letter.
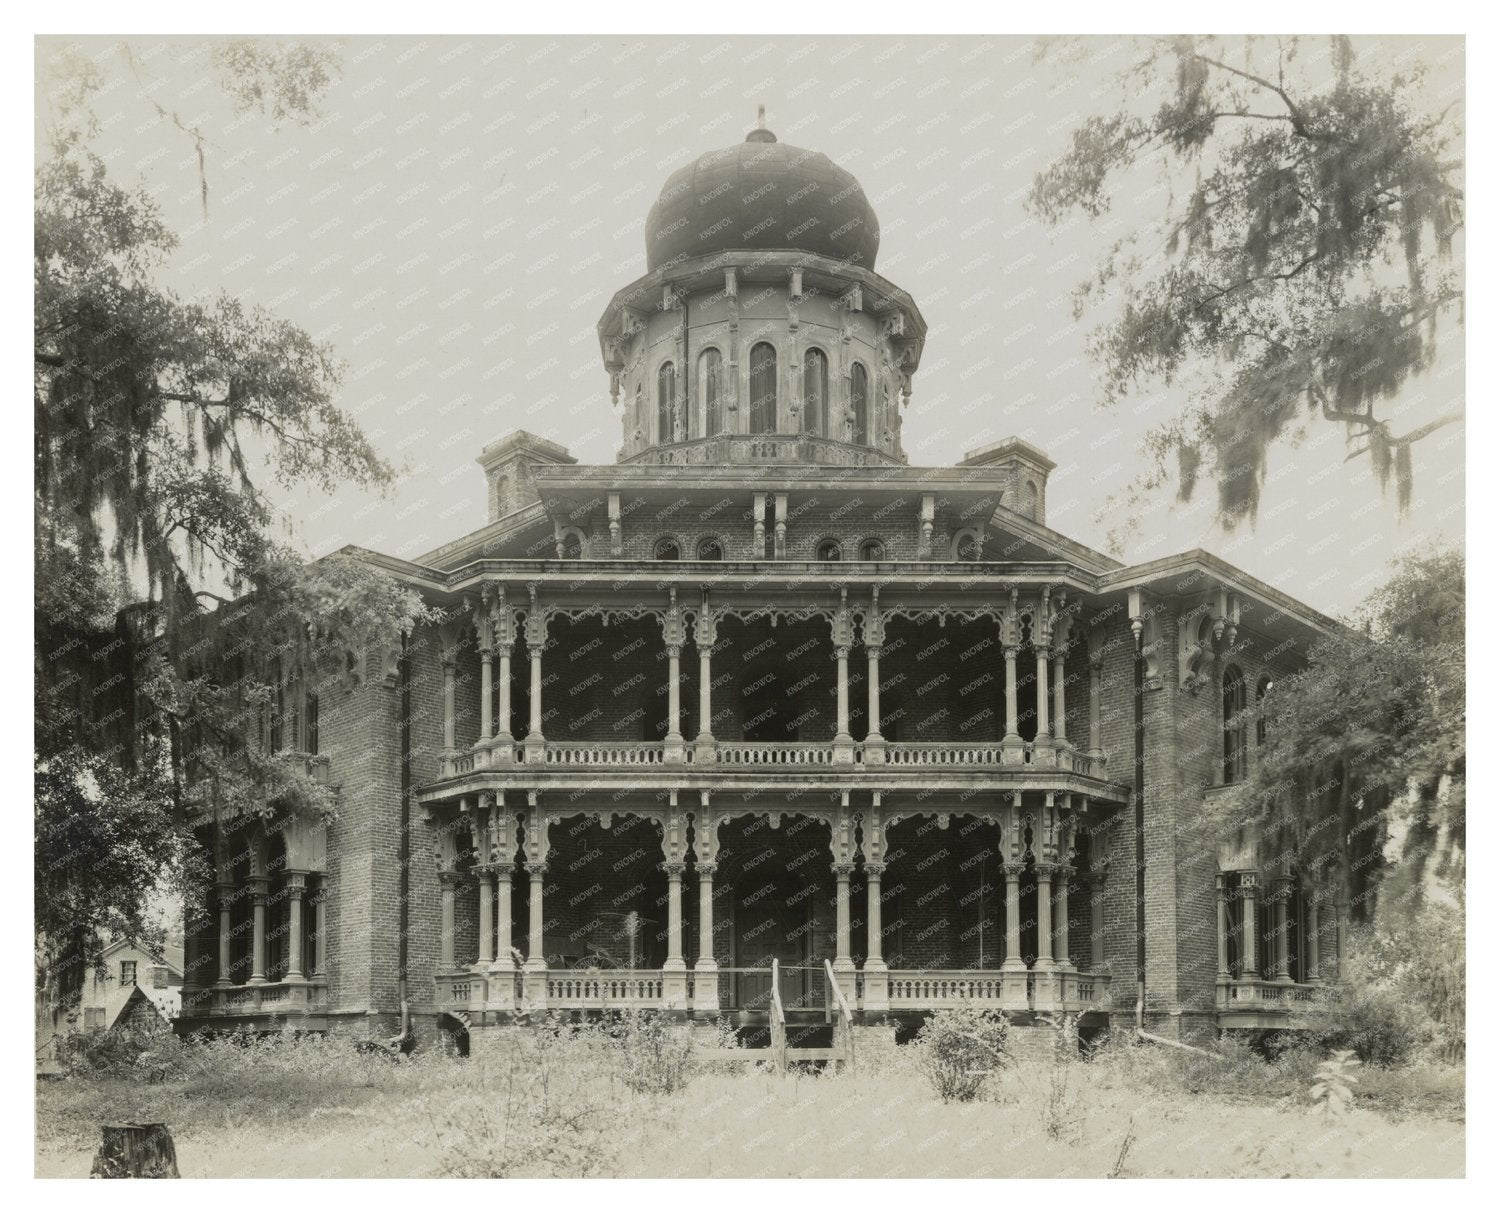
x: 760, y: 134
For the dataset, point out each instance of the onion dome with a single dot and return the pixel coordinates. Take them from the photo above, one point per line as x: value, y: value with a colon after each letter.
x: 762, y: 194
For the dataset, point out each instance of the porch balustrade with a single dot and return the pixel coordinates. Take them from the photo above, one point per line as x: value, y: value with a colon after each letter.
x: 731, y: 755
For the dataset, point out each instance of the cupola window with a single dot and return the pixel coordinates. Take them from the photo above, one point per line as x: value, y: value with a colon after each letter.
x: 763, y: 389
x: 711, y: 391
x: 815, y: 392
x: 666, y: 402
x: 859, y: 404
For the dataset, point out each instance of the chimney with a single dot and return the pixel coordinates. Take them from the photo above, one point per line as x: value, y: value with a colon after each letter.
x: 507, y: 468
x: 1025, y: 491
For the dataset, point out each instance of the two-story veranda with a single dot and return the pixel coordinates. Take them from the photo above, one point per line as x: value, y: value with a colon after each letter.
x: 776, y: 739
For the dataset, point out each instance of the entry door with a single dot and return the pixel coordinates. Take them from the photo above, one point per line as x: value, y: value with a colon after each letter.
x: 766, y: 926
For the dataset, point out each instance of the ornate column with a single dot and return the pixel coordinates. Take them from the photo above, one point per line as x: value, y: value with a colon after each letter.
x: 320, y: 928
x: 877, y: 976
x: 502, y: 982
x: 1314, y: 943
x: 705, y: 854
x: 705, y: 634
x: 484, y: 633
x: 260, y: 890
x: 1010, y: 645
x: 1013, y: 968
x: 1045, y: 968
x: 1096, y: 696
x: 1098, y: 878
x: 536, y: 642
x: 296, y: 888
x: 841, y: 842
x: 537, y: 848
x: 1060, y: 932
x: 1043, y: 727
x: 1249, y: 965
x: 843, y: 640
x: 505, y: 642
x: 1283, y: 971
x: 447, y: 879
x: 486, y: 919
x: 1060, y: 629
x: 226, y: 930
x: 674, y: 852
x: 673, y: 635
x: 1222, y: 936
x: 448, y: 636
x: 873, y: 635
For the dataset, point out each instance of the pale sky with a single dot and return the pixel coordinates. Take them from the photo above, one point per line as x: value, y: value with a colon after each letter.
x: 458, y: 219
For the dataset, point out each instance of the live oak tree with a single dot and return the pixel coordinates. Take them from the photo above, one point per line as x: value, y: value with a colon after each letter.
x: 1360, y: 781
x: 167, y: 613
x: 1299, y: 265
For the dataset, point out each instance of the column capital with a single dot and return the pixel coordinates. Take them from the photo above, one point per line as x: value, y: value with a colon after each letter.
x: 294, y: 879
x: 843, y: 871
x: 537, y: 870
x: 706, y: 870
x: 673, y: 868
x: 260, y: 890
x: 1013, y: 871
x: 874, y: 871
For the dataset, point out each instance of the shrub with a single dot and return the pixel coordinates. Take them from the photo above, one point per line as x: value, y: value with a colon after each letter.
x: 958, y: 1050
x: 1375, y: 1022
x: 1333, y: 1089
x: 656, y: 1054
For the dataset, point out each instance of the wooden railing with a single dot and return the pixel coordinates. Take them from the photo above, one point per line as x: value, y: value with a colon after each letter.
x: 763, y: 448
x: 617, y: 988
x: 938, y: 988
x: 778, y: 1020
x: 836, y: 1008
x: 941, y: 754
x: 773, y: 754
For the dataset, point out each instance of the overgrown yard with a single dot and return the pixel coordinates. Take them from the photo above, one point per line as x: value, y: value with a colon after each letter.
x: 592, y: 1106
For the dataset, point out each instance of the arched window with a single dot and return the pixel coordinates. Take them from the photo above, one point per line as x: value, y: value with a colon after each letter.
x: 666, y: 549
x: 666, y: 402
x: 829, y: 549
x: 966, y: 546
x: 1029, y: 501
x: 815, y: 392
x: 710, y: 549
x: 872, y: 549
x: 1234, y: 724
x: 859, y: 403
x: 763, y: 389
x: 571, y: 544
x: 1262, y: 688
x: 711, y: 391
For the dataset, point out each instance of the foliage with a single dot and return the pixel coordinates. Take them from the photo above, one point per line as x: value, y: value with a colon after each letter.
x: 314, y: 1106
x: 1361, y: 778
x: 1405, y: 991
x: 959, y: 1049
x: 1300, y: 264
x: 104, y: 846
x: 1333, y: 1091
x: 656, y: 1054
x: 156, y: 419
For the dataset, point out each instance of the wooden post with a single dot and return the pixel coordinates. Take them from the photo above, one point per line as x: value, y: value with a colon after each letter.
x: 136, y: 1152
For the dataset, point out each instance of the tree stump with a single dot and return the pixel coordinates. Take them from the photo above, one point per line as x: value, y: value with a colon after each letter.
x: 136, y: 1152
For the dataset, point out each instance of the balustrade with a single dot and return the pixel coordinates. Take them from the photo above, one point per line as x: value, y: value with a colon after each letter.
x: 730, y: 754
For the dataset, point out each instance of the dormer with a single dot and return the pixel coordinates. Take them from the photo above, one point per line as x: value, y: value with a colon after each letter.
x: 507, y: 466
x: 1026, y: 469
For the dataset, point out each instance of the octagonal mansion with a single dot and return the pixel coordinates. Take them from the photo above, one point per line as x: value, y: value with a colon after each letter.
x: 761, y: 722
